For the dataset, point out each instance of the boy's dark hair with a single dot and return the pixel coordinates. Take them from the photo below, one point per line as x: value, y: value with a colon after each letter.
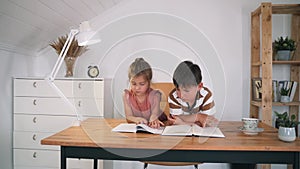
x: 187, y: 74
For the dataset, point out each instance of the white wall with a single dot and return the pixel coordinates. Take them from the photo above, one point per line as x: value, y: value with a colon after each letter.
x: 174, y: 42
x: 223, y: 27
x: 12, y: 65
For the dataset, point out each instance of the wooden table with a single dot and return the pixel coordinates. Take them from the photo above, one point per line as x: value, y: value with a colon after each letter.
x: 94, y: 140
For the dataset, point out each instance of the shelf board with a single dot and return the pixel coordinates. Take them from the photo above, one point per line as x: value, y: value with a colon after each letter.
x: 258, y: 103
x: 286, y: 8
x: 291, y: 62
x: 281, y: 9
x: 278, y: 62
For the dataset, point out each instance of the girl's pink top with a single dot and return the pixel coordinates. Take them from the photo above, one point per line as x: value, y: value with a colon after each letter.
x: 143, y: 109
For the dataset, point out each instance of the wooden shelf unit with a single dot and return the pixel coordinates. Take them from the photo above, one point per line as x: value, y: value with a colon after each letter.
x: 262, y: 57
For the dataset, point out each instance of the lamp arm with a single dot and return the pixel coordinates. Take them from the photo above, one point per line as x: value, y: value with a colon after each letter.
x: 67, y: 101
x: 50, y: 78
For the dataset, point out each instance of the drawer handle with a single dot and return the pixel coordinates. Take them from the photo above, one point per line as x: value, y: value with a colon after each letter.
x: 79, y: 103
x: 34, y: 120
x: 79, y: 85
x: 34, y: 84
x: 34, y: 137
x: 34, y: 155
x: 34, y: 102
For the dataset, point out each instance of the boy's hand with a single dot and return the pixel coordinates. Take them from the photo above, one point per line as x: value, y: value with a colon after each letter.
x: 155, y: 124
x: 201, y: 119
x: 206, y: 120
x: 211, y: 121
x: 175, y: 119
x: 171, y: 119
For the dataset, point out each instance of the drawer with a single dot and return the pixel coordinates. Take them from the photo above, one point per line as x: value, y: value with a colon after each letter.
x: 31, y: 140
x: 70, y: 88
x: 42, y: 159
x: 41, y: 123
x: 57, y: 106
x: 26, y: 167
x: 73, y: 163
x: 36, y: 158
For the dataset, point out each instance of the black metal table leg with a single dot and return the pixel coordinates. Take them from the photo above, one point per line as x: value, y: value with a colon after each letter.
x: 242, y: 166
x: 95, y: 163
x: 296, y: 161
x: 63, y: 158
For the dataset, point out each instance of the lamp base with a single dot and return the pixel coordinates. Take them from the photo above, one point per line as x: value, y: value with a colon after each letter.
x: 76, y: 123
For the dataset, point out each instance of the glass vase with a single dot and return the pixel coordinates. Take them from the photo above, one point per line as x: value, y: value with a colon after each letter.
x: 70, y: 62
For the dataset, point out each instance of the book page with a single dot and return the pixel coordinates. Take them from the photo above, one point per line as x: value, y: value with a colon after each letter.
x: 133, y: 128
x: 177, y: 130
x: 207, y: 131
x: 125, y: 127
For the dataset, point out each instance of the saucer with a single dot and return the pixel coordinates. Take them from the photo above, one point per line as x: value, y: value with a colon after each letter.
x: 251, y: 132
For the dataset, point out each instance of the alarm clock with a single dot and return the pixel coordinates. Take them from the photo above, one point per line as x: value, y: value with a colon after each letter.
x: 93, y: 71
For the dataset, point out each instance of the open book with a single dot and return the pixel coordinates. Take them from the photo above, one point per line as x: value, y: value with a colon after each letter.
x: 192, y: 130
x: 133, y: 128
x: 174, y: 130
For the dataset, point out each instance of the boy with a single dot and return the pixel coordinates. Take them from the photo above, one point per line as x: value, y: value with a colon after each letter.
x: 190, y: 102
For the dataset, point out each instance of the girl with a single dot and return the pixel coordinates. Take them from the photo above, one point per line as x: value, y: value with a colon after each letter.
x: 141, y: 102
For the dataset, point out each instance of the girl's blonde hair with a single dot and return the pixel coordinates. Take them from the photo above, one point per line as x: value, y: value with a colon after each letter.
x: 140, y: 67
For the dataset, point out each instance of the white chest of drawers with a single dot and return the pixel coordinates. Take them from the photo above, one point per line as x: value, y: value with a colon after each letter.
x: 40, y: 112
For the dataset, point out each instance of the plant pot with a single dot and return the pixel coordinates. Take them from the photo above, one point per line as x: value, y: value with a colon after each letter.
x: 285, y: 99
x: 283, y: 55
x: 287, y: 134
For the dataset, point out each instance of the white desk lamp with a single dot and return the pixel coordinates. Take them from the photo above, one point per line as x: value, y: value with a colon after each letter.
x: 84, y: 38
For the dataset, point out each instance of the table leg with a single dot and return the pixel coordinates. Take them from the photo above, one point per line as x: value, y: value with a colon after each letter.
x: 296, y: 160
x: 95, y: 163
x: 243, y: 166
x: 63, y: 159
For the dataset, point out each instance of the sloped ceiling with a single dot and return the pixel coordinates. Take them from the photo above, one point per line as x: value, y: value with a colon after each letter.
x: 27, y: 26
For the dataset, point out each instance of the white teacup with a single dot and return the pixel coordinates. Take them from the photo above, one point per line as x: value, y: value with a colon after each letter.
x: 250, y: 123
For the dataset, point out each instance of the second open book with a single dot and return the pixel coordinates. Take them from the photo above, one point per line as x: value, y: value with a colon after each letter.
x: 174, y: 130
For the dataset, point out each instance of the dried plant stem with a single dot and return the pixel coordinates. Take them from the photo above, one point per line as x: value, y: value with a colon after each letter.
x: 74, y: 51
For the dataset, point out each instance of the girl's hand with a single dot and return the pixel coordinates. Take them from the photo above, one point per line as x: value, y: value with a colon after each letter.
x: 155, y: 124
x: 140, y: 120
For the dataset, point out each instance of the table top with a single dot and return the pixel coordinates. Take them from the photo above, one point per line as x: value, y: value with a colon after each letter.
x: 96, y: 132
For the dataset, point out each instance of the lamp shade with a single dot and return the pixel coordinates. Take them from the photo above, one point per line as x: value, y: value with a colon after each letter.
x: 86, y: 34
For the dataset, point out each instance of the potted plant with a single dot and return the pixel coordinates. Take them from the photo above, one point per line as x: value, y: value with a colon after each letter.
x: 72, y: 54
x: 284, y: 92
x: 287, y: 126
x: 283, y: 48
x: 280, y: 118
